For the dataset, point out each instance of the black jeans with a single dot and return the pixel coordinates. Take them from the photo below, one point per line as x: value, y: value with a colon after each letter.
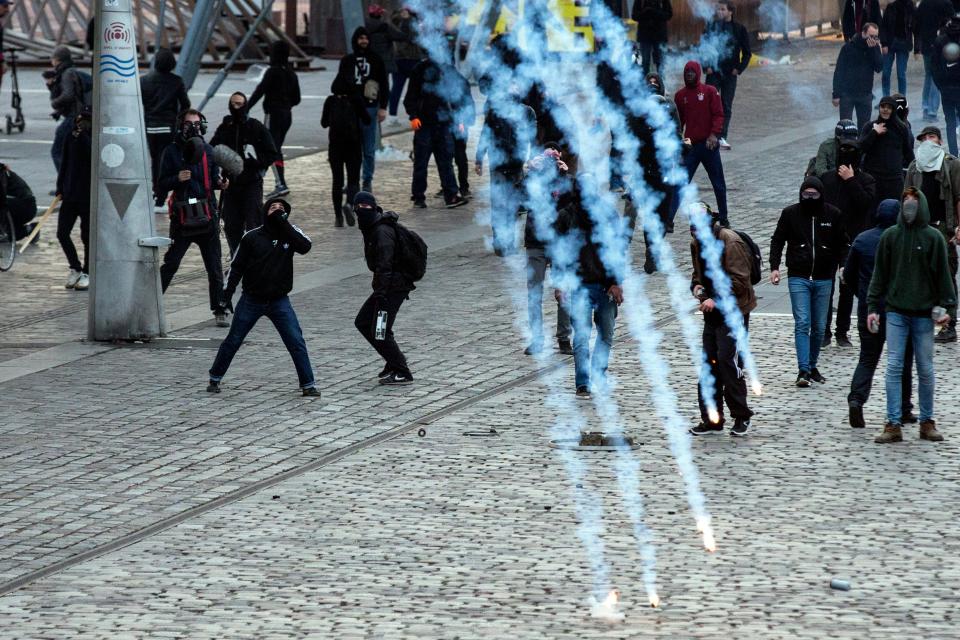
x: 726, y: 84
x: 863, y: 106
x: 69, y: 213
x: 650, y: 51
x: 435, y: 140
x: 209, y: 245
x: 347, y: 157
x: 460, y: 159
x: 366, y: 324
x: 278, y: 122
x: 871, y: 346
x: 888, y: 187
x: 844, y: 309
x: 157, y: 142
x: 720, y: 348
x: 242, y: 211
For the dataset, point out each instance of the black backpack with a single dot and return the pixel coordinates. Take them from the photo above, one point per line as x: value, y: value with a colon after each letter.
x: 412, y: 254
x: 756, y: 268
x: 85, y: 89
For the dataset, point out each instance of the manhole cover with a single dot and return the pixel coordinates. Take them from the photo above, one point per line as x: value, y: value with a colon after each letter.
x: 596, y: 441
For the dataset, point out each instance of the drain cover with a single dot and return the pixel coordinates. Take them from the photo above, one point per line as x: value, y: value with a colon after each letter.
x: 596, y: 441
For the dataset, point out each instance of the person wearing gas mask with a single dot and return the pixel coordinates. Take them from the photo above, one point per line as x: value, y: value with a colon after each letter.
x: 188, y: 171
x: 73, y: 187
x: 812, y: 232
x: 853, y: 192
x: 887, y: 148
x: 944, y: 67
x: 264, y: 263
x: 937, y: 174
x: 912, y: 277
x: 250, y: 139
x: 164, y: 97
x: 826, y: 159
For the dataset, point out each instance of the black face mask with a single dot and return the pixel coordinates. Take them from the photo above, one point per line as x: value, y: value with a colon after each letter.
x: 848, y: 156
x: 239, y: 114
x: 811, y: 205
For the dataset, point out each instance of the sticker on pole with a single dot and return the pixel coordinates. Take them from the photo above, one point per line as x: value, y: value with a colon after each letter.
x: 111, y: 4
x: 119, y: 131
x: 112, y: 155
x: 118, y: 59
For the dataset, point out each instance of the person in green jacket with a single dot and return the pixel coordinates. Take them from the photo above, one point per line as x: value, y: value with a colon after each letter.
x: 912, y: 274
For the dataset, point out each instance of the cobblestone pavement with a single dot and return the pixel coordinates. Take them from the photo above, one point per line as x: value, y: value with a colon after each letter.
x: 450, y: 535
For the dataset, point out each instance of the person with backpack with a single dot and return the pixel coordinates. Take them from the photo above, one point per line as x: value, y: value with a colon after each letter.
x: 73, y: 187
x: 397, y: 258
x: 189, y: 171
x: 280, y: 90
x: 719, y: 342
x: 344, y: 114
x: 164, y: 98
x: 70, y: 91
x: 264, y: 263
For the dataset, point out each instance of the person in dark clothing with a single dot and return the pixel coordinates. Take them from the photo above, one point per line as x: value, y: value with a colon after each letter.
x: 344, y: 114
x: 887, y: 148
x: 858, y: 61
x: 390, y: 286
x: 408, y: 54
x: 188, y: 170
x: 608, y: 81
x: 242, y: 201
x: 853, y: 192
x: 264, y: 261
x: 366, y: 76
x: 929, y: 17
x: 946, y: 75
x: 66, y: 99
x: 73, y: 187
x: 896, y: 41
x: 857, y: 13
x: 383, y: 34
x: 857, y: 272
x: 731, y: 39
x: 655, y: 84
x: 19, y: 200
x: 812, y: 231
x: 164, y: 98
x: 466, y: 114
x: 280, y: 90
x: 651, y: 17
x: 557, y: 128
x: 435, y: 101
x: 826, y: 159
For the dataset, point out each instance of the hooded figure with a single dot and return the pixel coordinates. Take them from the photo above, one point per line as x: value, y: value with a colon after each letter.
x: 854, y: 195
x: 383, y: 34
x: 345, y: 116
x: 164, y: 98
x: 887, y: 148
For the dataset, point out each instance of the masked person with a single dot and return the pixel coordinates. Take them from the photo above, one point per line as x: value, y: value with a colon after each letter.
x: 344, y: 114
x: 812, y: 231
x: 858, y: 61
x: 164, y: 98
x: 264, y: 262
x: 731, y: 38
x: 243, y: 201
x: 937, y: 174
x: 929, y: 17
x: 887, y: 148
x: 912, y: 277
x: 73, y: 187
x: 280, y: 90
x: 946, y: 76
x: 651, y: 17
x: 189, y: 173
x: 826, y: 159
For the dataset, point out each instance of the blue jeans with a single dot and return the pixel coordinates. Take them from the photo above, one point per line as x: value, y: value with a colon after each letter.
x: 590, y: 305
x: 951, y: 113
x: 371, y: 135
x: 901, y: 57
x: 436, y: 140
x: 506, y: 196
x: 247, y: 313
x: 59, y: 139
x: 931, y: 94
x: 699, y: 154
x: 809, y: 300
x: 919, y: 330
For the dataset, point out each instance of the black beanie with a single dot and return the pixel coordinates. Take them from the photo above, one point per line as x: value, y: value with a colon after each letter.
x: 364, y: 197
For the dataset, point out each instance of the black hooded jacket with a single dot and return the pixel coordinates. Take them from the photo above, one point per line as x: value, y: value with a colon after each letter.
x: 652, y: 17
x: 577, y: 223
x: 856, y: 65
x: 73, y: 179
x: 813, y: 233
x: 946, y: 75
x: 363, y: 65
x: 343, y: 113
x: 897, y: 25
x: 380, y: 252
x: 163, y: 92
x: 507, y: 140
x: 252, y: 142
x: 870, y: 12
x: 279, y: 87
x: 855, y: 198
x: 886, y: 155
x: 438, y: 94
x: 928, y: 18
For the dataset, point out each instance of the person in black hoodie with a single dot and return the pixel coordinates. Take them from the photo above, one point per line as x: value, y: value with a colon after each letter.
x: 164, y: 97
x: 280, y: 90
x: 344, y: 114
x: 929, y: 17
x: 651, y: 17
x: 73, y: 187
x: 946, y: 75
x: 896, y: 40
x: 812, y: 230
x: 734, y: 44
x: 243, y: 200
x: 366, y: 76
x: 17, y: 197
x: 887, y: 148
x: 264, y: 261
x: 857, y: 13
x: 859, y: 59
x: 390, y: 286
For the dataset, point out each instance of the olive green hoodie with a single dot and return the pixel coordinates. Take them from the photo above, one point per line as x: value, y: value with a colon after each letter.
x: 911, y: 267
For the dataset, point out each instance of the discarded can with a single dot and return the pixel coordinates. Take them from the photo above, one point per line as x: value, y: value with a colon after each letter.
x: 840, y: 585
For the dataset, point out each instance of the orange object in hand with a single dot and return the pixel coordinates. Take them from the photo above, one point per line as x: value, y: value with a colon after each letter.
x: 415, y: 124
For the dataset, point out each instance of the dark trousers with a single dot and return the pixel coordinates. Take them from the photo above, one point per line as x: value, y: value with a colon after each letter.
x: 366, y: 325
x: 157, y: 142
x: 953, y: 263
x: 871, y: 346
x: 720, y: 349
x: 650, y: 51
x: 710, y: 159
x: 951, y: 113
x: 726, y: 84
x: 59, y: 139
x: 284, y: 319
x: 404, y: 68
x: 844, y: 309
x: 863, y: 106
x: 435, y: 140
x: 460, y: 159
x: 888, y: 187
x: 70, y: 212
x: 209, y: 245
x: 344, y: 157
x: 505, y: 200
x: 242, y: 211
x: 278, y: 122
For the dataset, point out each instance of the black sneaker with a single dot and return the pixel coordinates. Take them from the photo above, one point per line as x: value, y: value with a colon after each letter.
x: 565, y: 347
x: 311, y: 392
x: 946, y: 335
x: 456, y: 201
x: 420, y: 204
x: 826, y: 340
x: 465, y: 192
x: 438, y: 194
x: 803, y: 379
x: 856, y: 417
x: 213, y: 387
x: 843, y: 340
x: 740, y: 428
x: 583, y: 393
x: 909, y: 418
x: 704, y: 429
x: 397, y: 379
x: 649, y: 266
x: 384, y: 372
x: 815, y: 376
x: 348, y: 214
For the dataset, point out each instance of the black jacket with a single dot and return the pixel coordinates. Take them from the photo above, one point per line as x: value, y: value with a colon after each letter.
x: 343, y: 113
x: 163, y: 92
x: 856, y: 66
x: 73, y: 180
x: 507, y: 138
x: 652, y: 17
x: 382, y: 35
x: 736, y: 51
x: 886, y: 155
x: 854, y: 198
x: 252, y: 141
x: 279, y: 87
x: 928, y: 18
x: 858, y: 269
x: 897, y: 26
x: 871, y: 13
x: 946, y: 76
x: 171, y: 164
x: 380, y: 252
x: 264, y: 259
x: 363, y: 65
x: 438, y: 94
x: 815, y: 242
x: 66, y: 92
x: 575, y: 222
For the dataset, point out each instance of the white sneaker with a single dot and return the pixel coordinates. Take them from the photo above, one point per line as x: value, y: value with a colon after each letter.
x: 72, y: 279
x: 83, y: 283
x: 724, y: 144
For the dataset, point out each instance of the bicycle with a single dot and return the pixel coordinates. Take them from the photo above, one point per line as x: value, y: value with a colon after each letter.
x: 8, y: 241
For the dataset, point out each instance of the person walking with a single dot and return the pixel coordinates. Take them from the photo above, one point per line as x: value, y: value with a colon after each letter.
x: 858, y: 61
x: 73, y: 187
x: 812, y: 231
x: 912, y: 277
x: 384, y: 34
x: 344, y: 114
x: 280, y: 90
x: 826, y: 159
x: 731, y: 38
x: 946, y: 76
x: 243, y: 201
x: 937, y: 174
x: 651, y: 17
x: 264, y: 263
x: 68, y: 97
x: 855, y: 14
x: 391, y: 287
x: 17, y: 197
x: 896, y: 42
x: 164, y: 98
x: 701, y: 120
x: 887, y: 148
x: 719, y: 342
x: 857, y: 272
x: 407, y: 54
x: 929, y: 17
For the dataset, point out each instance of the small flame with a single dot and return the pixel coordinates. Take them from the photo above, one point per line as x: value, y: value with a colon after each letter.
x: 703, y: 526
x: 714, y: 415
x: 654, y: 600
x: 607, y: 609
x: 757, y: 388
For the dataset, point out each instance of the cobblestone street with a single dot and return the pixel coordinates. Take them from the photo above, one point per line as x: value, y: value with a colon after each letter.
x: 135, y: 505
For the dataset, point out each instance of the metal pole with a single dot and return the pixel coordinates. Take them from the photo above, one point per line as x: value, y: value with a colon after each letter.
x: 160, y: 20
x: 352, y: 11
x: 205, y: 16
x: 126, y: 302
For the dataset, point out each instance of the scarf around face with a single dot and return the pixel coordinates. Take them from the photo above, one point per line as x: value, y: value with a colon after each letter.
x: 929, y: 156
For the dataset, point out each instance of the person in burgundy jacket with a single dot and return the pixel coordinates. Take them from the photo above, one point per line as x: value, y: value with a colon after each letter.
x: 701, y: 120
